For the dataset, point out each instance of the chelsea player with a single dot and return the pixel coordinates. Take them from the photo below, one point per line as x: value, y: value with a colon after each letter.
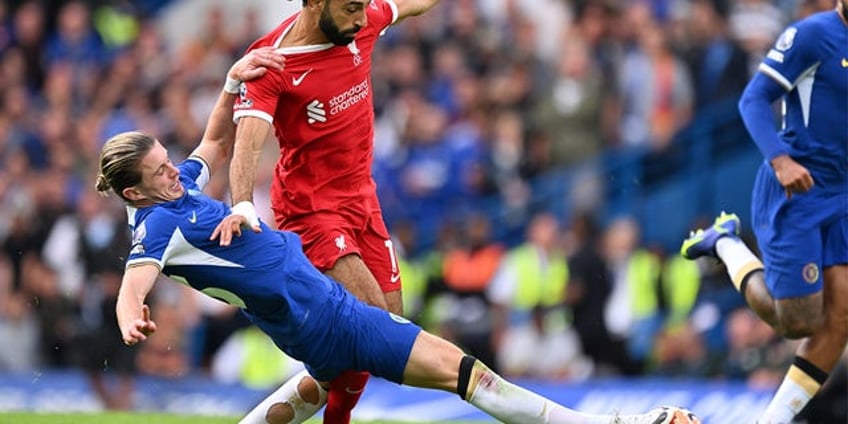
x: 799, y: 204
x: 265, y: 272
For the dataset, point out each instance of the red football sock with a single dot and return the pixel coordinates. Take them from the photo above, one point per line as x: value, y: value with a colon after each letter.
x: 344, y: 392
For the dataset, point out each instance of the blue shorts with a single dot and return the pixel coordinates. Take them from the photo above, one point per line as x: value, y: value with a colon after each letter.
x: 798, y: 237
x: 344, y: 334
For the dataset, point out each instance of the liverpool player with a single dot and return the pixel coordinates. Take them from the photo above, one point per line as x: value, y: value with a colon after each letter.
x: 321, y: 111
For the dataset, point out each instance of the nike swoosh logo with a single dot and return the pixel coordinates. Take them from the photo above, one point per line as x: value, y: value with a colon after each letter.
x: 298, y: 80
x: 353, y: 391
x: 193, y: 218
x: 395, y: 278
x: 844, y: 62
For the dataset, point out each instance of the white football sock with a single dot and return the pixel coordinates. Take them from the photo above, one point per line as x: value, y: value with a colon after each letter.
x: 513, y: 404
x: 738, y: 259
x: 794, y: 393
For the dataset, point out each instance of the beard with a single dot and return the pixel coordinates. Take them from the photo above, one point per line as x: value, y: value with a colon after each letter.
x: 333, y: 32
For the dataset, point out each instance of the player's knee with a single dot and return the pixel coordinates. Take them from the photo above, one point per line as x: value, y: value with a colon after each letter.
x: 279, y: 413
x: 800, y: 317
x: 798, y: 328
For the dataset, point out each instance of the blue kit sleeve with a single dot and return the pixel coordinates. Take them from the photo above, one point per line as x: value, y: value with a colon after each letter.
x: 755, y: 107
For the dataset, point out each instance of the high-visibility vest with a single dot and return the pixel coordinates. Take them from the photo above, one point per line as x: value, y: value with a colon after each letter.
x: 538, y: 285
x: 643, y: 273
x: 263, y: 364
x: 680, y: 284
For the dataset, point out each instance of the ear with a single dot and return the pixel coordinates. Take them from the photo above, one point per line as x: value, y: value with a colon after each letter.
x: 132, y: 194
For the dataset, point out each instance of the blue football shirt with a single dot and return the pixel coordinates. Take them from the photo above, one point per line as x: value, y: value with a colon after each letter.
x: 258, y: 271
x: 810, y: 61
x: 309, y: 316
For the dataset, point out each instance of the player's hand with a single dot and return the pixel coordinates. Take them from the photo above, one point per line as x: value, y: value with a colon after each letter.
x: 243, y: 214
x: 140, y: 328
x: 794, y: 177
x: 227, y: 228
x: 256, y: 63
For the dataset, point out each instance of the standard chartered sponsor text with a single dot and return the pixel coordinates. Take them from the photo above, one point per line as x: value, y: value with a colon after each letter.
x: 349, y: 98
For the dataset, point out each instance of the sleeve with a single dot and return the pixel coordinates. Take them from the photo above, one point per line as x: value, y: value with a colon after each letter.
x: 793, y: 55
x: 382, y: 13
x: 150, y: 246
x: 259, y: 97
x: 194, y: 173
x: 758, y: 115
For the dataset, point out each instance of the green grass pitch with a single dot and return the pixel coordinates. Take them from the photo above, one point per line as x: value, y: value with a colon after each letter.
x: 147, y: 418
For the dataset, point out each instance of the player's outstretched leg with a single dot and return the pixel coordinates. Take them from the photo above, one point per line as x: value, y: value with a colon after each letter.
x: 297, y: 400
x: 436, y: 363
x: 513, y: 404
x: 703, y: 241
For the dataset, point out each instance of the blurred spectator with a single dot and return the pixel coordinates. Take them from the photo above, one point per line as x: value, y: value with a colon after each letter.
x: 429, y: 175
x: 16, y: 323
x: 250, y: 358
x: 216, y: 323
x: 57, y: 315
x: 720, y: 67
x: 588, y: 290
x: 549, y: 18
x: 85, y: 245
x: 571, y: 112
x: 436, y: 306
x: 655, y: 88
x: 632, y: 309
x: 468, y: 269
x: 76, y: 43
x: 755, y: 24
x: 167, y: 353
x: 532, y: 334
x: 28, y: 36
x: 506, y: 141
x: 679, y: 348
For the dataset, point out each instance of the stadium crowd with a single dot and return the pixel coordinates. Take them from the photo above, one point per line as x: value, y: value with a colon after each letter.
x: 474, y: 101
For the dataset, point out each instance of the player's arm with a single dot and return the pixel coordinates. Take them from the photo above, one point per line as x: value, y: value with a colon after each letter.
x: 757, y: 114
x: 217, y: 141
x: 251, y: 134
x: 133, y: 315
x: 407, y: 8
x: 755, y: 107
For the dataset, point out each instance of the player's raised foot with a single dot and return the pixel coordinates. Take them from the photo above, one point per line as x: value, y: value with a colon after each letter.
x: 660, y: 415
x: 702, y: 242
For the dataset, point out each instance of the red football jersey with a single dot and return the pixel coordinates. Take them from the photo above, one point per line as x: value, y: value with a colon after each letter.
x: 322, y: 111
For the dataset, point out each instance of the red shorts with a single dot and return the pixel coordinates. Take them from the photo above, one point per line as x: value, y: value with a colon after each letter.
x: 326, y: 237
